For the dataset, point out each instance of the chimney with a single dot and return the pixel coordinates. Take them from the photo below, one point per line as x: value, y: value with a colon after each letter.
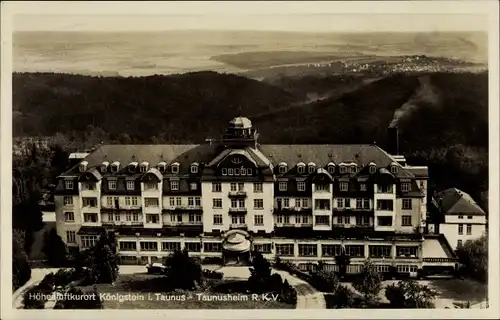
x: 393, y: 140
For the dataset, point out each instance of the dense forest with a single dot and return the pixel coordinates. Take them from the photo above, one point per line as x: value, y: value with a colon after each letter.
x: 443, y: 117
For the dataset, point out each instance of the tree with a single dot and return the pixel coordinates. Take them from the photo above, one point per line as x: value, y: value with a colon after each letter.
x: 343, y: 297
x: 183, y: 272
x: 103, y: 260
x: 473, y: 255
x: 409, y: 294
x: 21, y: 271
x: 369, y: 282
x: 54, y: 248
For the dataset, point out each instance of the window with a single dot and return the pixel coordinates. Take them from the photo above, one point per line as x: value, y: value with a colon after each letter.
x: 381, y: 268
x: 459, y: 243
x: 69, y: 216
x: 366, y: 203
x: 286, y: 219
x: 197, y: 201
x: 385, y: 221
x: 128, y: 245
x: 359, y: 203
x: 178, y: 201
x: 305, y: 203
x: 234, y: 203
x: 406, y: 221
x: 135, y: 217
x: 344, y: 186
x: 373, y: 169
x: 322, y: 187
x: 194, y: 169
x: 405, y: 186
x: 354, y: 169
x: 330, y: 250
x: 193, y: 246
x: 217, y: 203
x: 406, y: 251
x: 259, y: 220
x: 384, y: 205
x: 174, y: 185
x: 342, y: 169
x: 384, y: 188
x: 362, y: 187
x: 258, y: 204
x: 152, y: 218
x: 460, y: 217
x: 301, y: 186
x: 191, y: 201
x: 151, y: 202
x: 282, y: 186
x: 241, y: 203
x: 394, y: 169
x: 286, y: 250
x: 232, y: 187
x: 322, y: 220
x: 311, y: 169
x: 216, y: 187
x: 110, y: 217
x: 88, y: 241
x: 179, y: 217
x: 151, y: 186
x: 89, y: 202
x: 68, y: 200
x: 117, y: 217
x: 279, y: 218
x: 128, y: 216
x: 305, y: 219
x: 340, y: 203
x: 347, y: 203
x: 230, y: 171
x: 130, y: 185
x: 236, y: 172
x: 70, y: 236
x: 380, y: 251
x: 362, y: 220
x: 282, y: 169
x: 217, y: 219
x: 243, y: 171
x: 170, y: 246
x: 193, y: 186
x: 224, y: 171
x: 249, y: 171
x: 68, y: 184
x: 308, y: 250
x: 406, y: 268
x: 347, y: 220
x: 469, y: 217
x: 262, y: 247
x: 406, y: 204
x: 149, y: 246
x: 194, y: 217
x: 322, y: 204
x: 331, y: 169
x: 469, y: 229
x: 143, y: 168
x: 460, y: 229
x: 257, y: 187
x: 212, y: 247
x: 355, y: 250
x: 175, y: 168
x: 241, y: 186
x: 127, y: 201
x: 134, y: 201
x: 301, y: 169
x: 286, y: 202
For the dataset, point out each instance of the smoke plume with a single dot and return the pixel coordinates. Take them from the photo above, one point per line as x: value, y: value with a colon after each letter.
x: 426, y: 94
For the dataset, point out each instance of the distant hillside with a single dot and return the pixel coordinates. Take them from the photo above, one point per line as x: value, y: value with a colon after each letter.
x: 187, y: 107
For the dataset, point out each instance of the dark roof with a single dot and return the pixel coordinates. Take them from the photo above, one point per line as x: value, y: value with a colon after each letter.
x: 419, y: 172
x: 185, y: 155
x: 455, y: 201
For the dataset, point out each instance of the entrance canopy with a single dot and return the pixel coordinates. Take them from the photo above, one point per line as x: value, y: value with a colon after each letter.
x: 236, y: 241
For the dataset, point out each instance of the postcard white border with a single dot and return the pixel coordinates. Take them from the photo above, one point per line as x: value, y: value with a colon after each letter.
x: 487, y: 8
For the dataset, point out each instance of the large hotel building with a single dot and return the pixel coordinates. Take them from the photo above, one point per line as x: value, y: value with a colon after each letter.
x: 224, y: 199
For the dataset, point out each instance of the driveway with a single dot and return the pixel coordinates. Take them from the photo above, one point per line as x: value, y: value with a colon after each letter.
x: 37, y: 275
x: 307, y: 296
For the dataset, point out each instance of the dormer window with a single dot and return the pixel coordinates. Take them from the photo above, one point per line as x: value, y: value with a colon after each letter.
x: 162, y: 166
x: 175, y: 167
x: 224, y: 171
x: 144, y: 167
x: 115, y: 166
x: 405, y: 186
x: 311, y: 167
x: 104, y: 167
x: 342, y: 168
x: 373, y: 168
x: 394, y: 168
x: 354, y: 168
x: 132, y: 167
x: 83, y: 166
x: 194, y: 168
x: 301, y: 168
x: 283, y: 167
x: 331, y: 167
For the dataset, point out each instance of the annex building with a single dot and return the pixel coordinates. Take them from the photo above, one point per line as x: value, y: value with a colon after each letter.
x: 303, y: 203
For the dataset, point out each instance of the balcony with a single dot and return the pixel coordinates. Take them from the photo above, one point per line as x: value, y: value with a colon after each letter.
x: 238, y: 210
x: 238, y: 226
x: 183, y: 223
x: 294, y: 210
x: 184, y: 208
x: 237, y: 194
x: 122, y: 223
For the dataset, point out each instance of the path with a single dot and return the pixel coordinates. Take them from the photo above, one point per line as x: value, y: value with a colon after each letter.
x: 37, y: 275
x: 307, y: 296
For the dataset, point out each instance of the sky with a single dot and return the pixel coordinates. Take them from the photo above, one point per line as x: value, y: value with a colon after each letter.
x: 273, y: 16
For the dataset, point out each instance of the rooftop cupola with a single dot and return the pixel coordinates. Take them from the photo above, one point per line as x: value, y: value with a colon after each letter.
x: 240, y: 133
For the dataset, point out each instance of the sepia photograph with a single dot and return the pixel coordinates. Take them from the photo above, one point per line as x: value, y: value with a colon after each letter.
x: 250, y: 156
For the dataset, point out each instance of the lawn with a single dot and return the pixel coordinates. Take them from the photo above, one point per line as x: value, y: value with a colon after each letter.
x: 149, y: 294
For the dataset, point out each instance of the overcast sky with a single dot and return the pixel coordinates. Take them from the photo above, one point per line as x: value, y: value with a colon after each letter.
x: 287, y: 16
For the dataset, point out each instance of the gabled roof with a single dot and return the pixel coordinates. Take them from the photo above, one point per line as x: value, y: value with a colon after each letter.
x: 455, y: 201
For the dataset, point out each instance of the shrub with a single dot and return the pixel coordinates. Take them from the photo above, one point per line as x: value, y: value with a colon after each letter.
x: 54, y: 249
x: 343, y: 297
x: 473, y: 255
x: 209, y: 274
x: 21, y: 271
x: 33, y: 299
x: 325, y: 281
x: 410, y: 294
x: 183, y: 272
x: 93, y: 303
